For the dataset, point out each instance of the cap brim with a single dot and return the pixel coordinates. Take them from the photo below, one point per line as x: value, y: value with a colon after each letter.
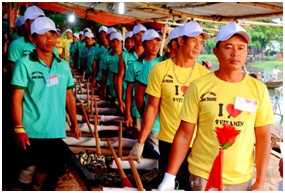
x: 42, y: 31
x: 153, y: 38
x: 205, y: 35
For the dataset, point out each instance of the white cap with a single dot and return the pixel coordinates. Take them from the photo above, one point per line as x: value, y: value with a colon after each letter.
x: 138, y: 28
x: 129, y: 34
x: 111, y: 30
x: 103, y: 28
x: 20, y: 20
x: 42, y: 25
x: 68, y: 30
x: 228, y: 30
x: 81, y: 33
x: 116, y: 35
x: 149, y: 35
x: 89, y: 34
x: 192, y: 29
x: 76, y: 35
x: 175, y: 33
x: 88, y: 29
x: 33, y: 12
x: 57, y: 29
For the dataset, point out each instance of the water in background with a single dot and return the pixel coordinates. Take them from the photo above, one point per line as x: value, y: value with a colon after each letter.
x: 276, y: 97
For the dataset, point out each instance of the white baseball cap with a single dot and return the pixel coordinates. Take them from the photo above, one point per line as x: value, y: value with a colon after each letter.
x: 88, y: 29
x: 81, y: 33
x: 42, y: 25
x: 20, y: 20
x: 192, y: 29
x: 116, y: 35
x: 103, y: 28
x: 68, y: 30
x: 111, y: 30
x: 89, y: 34
x: 149, y: 35
x: 175, y: 33
x: 76, y: 35
x: 138, y: 28
x: 33, y: 12
x: 129, y: 34
x: 228, y: 30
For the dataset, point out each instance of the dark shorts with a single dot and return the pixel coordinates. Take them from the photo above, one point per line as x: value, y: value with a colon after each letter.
x: 48, y: 155
x: 183, y: 174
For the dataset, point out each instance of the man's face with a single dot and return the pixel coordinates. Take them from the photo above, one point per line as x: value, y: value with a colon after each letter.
x: 89, y: 41
x: 116, y: 45
x: 69, y: 35
x: 232, y: 53
x: 129, y: 43
x: 46, y: 42
x: 138, y: 38
x: 75, y: 39
x: 192, y: 46
x: 102, y: 35
x: 152, y: 46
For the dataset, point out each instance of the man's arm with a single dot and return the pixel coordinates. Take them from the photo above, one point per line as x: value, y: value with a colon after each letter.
x: 262, y: 155
x: 120, y: 80
x: 71, y: 111
x: 17, y: 106
x: 129, y: 98
x: 139, y: 97
x: 149, y: 116
x: 94, y: 73
x: 17, y: 112
x: 180, y: 146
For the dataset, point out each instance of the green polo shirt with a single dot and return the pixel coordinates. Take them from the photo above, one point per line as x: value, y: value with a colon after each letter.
x: 109, y: 62
x: 20, y: 47
x: 143, y: 78
x: 78, y: 49
x: 100, y: 53
x: 89, y: 55
x: 44, y: 107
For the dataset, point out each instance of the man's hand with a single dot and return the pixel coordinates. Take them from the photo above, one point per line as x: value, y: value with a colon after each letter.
x: 129, y: 120
x: 75, y: 132
x: 122, y: 106
x: 168, y: 183
x: 22, y: 137
x: 137, y: 151
x: 257, y: 187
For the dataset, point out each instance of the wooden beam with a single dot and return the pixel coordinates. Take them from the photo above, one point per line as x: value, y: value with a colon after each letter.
x: 194, y: 5
x: 263, y: 5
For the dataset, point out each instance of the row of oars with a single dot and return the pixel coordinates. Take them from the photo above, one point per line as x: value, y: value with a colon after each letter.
x: 95, y: 116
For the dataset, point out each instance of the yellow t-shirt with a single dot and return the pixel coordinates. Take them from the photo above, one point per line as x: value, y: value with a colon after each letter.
x: 59, y: 45
x: 163, y: 84
x: 209, y: 102
x: 66, y: 46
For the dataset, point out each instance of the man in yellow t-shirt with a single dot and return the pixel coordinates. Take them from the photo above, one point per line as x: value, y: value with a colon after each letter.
x: 59, y: 43
x: 224, y: 96
x: 66, y: 44
x: 167, y: 84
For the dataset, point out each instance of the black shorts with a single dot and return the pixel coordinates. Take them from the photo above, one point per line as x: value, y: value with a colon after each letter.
x: 48, y: 155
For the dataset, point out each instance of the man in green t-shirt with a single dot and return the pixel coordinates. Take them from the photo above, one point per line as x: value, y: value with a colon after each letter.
x: 42, y: 93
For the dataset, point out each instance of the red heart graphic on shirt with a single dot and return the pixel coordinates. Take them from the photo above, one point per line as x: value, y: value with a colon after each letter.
x: 232, y: 111
x: 184, y: 89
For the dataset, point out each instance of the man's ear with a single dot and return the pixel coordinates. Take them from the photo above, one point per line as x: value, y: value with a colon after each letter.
x: 215, y: 51
x: 180, y: 41
x: 33, y: 39
x: 174, y: 44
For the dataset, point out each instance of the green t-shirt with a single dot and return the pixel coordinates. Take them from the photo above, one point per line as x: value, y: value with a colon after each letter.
x: 89, y: 55
x: 110, y: 62
x: 100, y: 53
x: 44, y: 104
x: 143, y: 78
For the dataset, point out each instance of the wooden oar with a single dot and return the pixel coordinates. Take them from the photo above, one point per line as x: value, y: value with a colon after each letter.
x: 124, y: 178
